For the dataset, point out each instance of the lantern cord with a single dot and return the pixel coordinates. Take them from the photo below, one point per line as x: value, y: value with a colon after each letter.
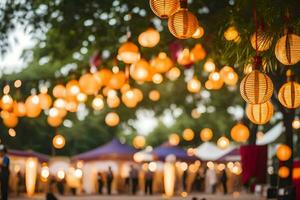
x: 256, y: 27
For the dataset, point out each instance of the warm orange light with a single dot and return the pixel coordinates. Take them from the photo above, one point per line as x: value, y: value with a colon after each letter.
x: 98, y: 102
x: 139, y: 142
x: 198, y: 33
x: 188, y: 134
x: 209, y: 66
x: 283, y: 152
x: 283, y: 172
x: 289, y: 93
x: 263, y: 43
x: 162, y: 63
x: 32, y: 104
x: 287, y: 49
x: 296, y: 124
x: 173, y: 74
x: 10, y: 120
x: 154, y: 95
x: 89, y: 84
x: 112, y: 119
x: 149, y: 38
x: 103, y: 76
x: 58, y: 142
x: 260, y: 113
x: 194, y: 85
x: 240, y: 133
x: 45, y: 100
x: 223, y: 142
x: 113, y: 101
x: 6, y: 102
x: 174, y: 139
x: 59, y: 91
x: 206, y: 134
x: 72, y: 88
x: 231, y: 33
x: 54, y: 121
x: 117, y: 80
x: 198, y: 53
x: 129, y: 53
x: 139, y: 71
x: 184, y: 57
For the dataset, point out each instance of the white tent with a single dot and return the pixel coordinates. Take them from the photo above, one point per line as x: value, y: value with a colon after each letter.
x: 271, y: 135
x: 208, y: 151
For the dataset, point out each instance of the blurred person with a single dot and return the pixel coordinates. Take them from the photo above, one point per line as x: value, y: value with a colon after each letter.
x: 50, y: 195
x: 184, y: 179
x: 148, y: 182
x: 100, y: 182
x: 133, y: 175
x: 4, y: 172
x: 224, y: 181
x: 20, y: 183
x: 61, y: 186
x: 109, y: 180
x: 211, y: 180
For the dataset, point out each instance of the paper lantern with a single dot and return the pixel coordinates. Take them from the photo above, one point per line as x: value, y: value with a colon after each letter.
x: 283, y: 152
x: 216, y: 80
x: 98, y: 102
x: 12, y: 132
x: 60, y: 103
x: 209, y: 66
x: 231, y: 78
x: 164, y: 8
x: 296, y: 123
x: 81, y: 97
x: 45, y: 100
x: 225, y: 71
x: 198, y: 33
x: 71, y: 106
x: 260, y: 113
x: 263, y: 43
x: 209, y: 84
x: 129, y: 53
x: 173, y: 73
x: 6, y: 102
x: 139, y: 142
x: 154, y: 95
x: 62, y: 112
x: 194, y: 85
x: 113, y: 101
x: 169, y: 178
x: 129, y: 98
x: 103, y: 76
x: 138, y: 94
x: 10, y: 120
x: 117, y: 80
x: 58, y: 141
x: 223, y: 142
x: 72, y: 88
x: 231, y: 33
x: 283, y: 172
x: 157, y: 78
x: 188, y: 134
x: 197, y: 53
x: 139, y: 71
x: 240, y: 133
x: 19, y: 109
x: 33, y: 108
x: 195, y: 113
x: 174, y: 139
x: 206, y: 134
x: 162, y: 63
x: 112, y: 119
x: 54, y: 121
x: 184, y: 58
x: 256, y: 87
x: 89, y: 84
x: 287, y: 49
x: 183, y: 24
x: 289, y: 93
x: 59, y: 91
x: 149, y: 38
x: 30, y: 175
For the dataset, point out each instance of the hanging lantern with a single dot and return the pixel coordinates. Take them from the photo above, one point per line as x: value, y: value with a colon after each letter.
x: 174, y: 139
x: 289, y: 93
x: 71, y: 106
x: 98, y: 102
x: 206, y: 134
x: 296, y: 124
x: 231, y: 78
x: 283, y: 172
x: 60, y: 103
x: 149, y: 38
x: 231, y: 34
x: 184, y: 58
x: 240, y: 133
x: 139, y: 71
x: 54, y: 121
x: 287, y: 49
x: 117, y: 80
x: 209, y: 85
x: 103, y: 77
x: 112, y: 119
x: 223, y: 142
x: 139, y: 142
x: 173, y: 73
x: 58, y: 141
x: 183, y: 24
x: 198, y: 53
x: 62, y: 112
x: 264, y: 41
x: 209, y: 66
x: 31, y: 167
x: 19, y: 109
x: 225, y: 71
x: 33, y: 108
x: 129, y: 98
x: 81, y: 97
x: 10, y: 120
x: 216, y: 80
x: 198, y: 33
x: 113, y: 101
x: 138, y: 94
x: 72, y: 88
x: 162, y: 63
x: 164, y: 8
x: 59, y: 91
x: 154, y: 95
x: 188, y: 134
x: 260, y: 113
x: 283, y: 152
x: 45, y: 101
x: 256, y: 87
x: 6, y: 102
x: 129, y: 53
x: 89, y: 84
x: 194, y: 85
x: 157, y: 78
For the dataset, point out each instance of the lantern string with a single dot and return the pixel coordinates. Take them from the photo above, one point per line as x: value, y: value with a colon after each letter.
x: 256, y: 27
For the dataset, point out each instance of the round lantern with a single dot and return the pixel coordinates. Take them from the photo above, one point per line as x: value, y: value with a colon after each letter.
x: 216, y: 80
x: 164, y: 8
x: 139, y: 71
x: 194, y: 85
x: 98, y: 102
x: 89, y: 84
x: 154, y: 95
x: 198, y: 33
x: 157, y: 78
x: 173, y: 73
x: 287, y: 49
x: 184, y: 58
x: 19, y: 109
x: 10, y: 120
x: 113, y: 101
x: 33, y: 108
x: 149, y: 38
x: 72, y: 88
x: 209, y: 66
x: 117, y: 80
x: 129, y: 98
x: 240, y: 133
x: 138, y: 94
x: 296, y: 124
x: 103, y: 76
x: 283, y: 152
x: 260, y: 113
x: 112, y: 119
x: 283, y: 172
x: 256, y: 87
x: 174, y: 139
x: 231, y: 33
x: 225, y: 70
x: 209, y: 85
x: 197, y: 53
x: 60, y: 103
x: 59, y: 91
x: 289, y: 93
x: 231, y: 78
x: 162, y: 63
x: 45, y: 100
x: 263, y: 43
x: 223, y: 142
x: 129, y: 53
x: 58, y: 141
x: 6, y: 102
x: 72, y: 106
x: 54, y: 121
x: 206, y: 134
x: 183, y: 24
x: 188, y: 134
x: 81, y: 97
x: 139, y: 142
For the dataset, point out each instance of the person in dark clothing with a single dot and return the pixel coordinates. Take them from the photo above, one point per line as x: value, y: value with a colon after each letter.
x: 224, y: 181
x: 50, y: 195
x: 148, y: 182
x: 134, y: 174
x: 109, y: 179
x: 184, y: 177
x: 100, y: 182
x: 61, y: 186
x: 4, y: 172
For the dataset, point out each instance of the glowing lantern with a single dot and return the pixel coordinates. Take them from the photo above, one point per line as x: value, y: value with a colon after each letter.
x: 198, y: 33
x: 98, y: 102
x: 216, y: 80
x: 113, y: 101
x: 12, y: 132
x: 231, y: 78
x: 223, y: 142
x: 240, y: 133
x: 287, y: 49
x: 45, y: 100
x: 154, y: 95
x: 6, y: 102
x: 188, y: 134
x: 206, y: 134
x: 59, y: 103
x: 209, y: 84
x: 30, y: 175
x: 89, y: 84
x: 260, y: 113
x: 149, y: 38
x: 32, y: 104
x: 164, y: 8
x: 45, y: 173
x: 283, y: 152
x: 19, y: 109
x: 162, y: 63
x: 59, y: 91
x: 129, y: 98
x: 173, y: 73
x: 129, y: 53
x: 184, y: 57
x: 174, y: 139
x: 209, y: 66
x: 62, y: 112
x: 283, y: 172
x: 296, y: 124
x: 73, y: 88
x: 195, y: 113
x: 231, y: 33
x: 53, y: 112
x: 112, y: 119
x: 296, y: 173
x: 58, y: 141
x: 289, y: 93
x: 197, y: 53
x: 263, y: 43
x: 117, y: 80
x: 71, y: 106
x: 157, y: 78
x: 103, y: 76
x: 10, y: 120
x: 169, y: 175
x: 54, y: 121
x: 225, y: 70
x: 139, y: 142
x: 81, y: 97
x: 138, y: 94
x: 194, y: 85
x: 139, y: 71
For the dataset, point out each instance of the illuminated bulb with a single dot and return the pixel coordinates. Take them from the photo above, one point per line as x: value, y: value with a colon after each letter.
x: 129, y: 94
x: 296, y: 124
x: 157, y: 78
x: 17, y: 83
x: 223, y: 142
x: 12, y: 132
x: 139, y: 142
x: 173, y: 73
x: 152, y: 166
x: 6, y: 99
x: 210, y: 165
x: 61, y: 174
x: 115, y: 69
x: 81, y: 97
x: 194, y: 85
x: 44, y: 89
x: 174, y: 139
x: 195, y: 113
x: 112, y: 119
x: 60, y: 103
x: 78, y: 173
x: 45, y: 172
x: 198, y: 33
x: 188, y: 134
x: 215, y: 76
x: 209, y: 66
x: 58, y: 141
x: 98, y: 102
x: 154, y: 95
x: 53, y: 112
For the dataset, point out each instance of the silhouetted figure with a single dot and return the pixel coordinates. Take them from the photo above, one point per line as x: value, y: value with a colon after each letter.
x: 4, y: 172
x: 50, y: 195
x: 184, y: 177
x: 61, y: 186
x: 148, y: 182
x: 100, y: 182
x: 109, y: 178
x: 224, y: 181
x: 20, y: 183
x: 133, y: 175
